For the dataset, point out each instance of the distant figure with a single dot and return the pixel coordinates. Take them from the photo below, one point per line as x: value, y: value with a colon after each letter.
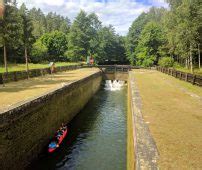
x: 52, y: 67
x: 91, y: 60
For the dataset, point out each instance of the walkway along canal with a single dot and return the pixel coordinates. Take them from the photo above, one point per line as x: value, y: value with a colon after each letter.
x: 97, y: 138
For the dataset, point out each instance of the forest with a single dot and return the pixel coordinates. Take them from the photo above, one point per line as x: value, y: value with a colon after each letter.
x: 170, y: 37
x: 167, y: 37
x: 31, y: 36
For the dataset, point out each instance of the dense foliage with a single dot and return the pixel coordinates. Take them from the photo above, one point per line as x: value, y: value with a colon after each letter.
x: 175, y: 32
x: 166, y: 62
x: 32, y: 36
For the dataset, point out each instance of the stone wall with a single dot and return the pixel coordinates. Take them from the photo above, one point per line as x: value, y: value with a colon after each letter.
x: 26, y: 129
x: 116, y: 76
x: 144, y: 151
x: 130, y: 133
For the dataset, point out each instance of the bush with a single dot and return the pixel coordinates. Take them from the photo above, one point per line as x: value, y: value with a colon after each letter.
x: 147, y: 62
x: 166, y: 62
x: 177, y: 65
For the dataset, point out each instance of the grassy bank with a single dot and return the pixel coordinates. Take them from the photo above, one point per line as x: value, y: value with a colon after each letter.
x: 20, y: 67
x: 172, y: 109
x: 196, y: 71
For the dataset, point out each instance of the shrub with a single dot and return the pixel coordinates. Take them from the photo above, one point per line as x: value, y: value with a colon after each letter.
x: 177, y: 65
x: 166, y: 62
x: 147, y: 62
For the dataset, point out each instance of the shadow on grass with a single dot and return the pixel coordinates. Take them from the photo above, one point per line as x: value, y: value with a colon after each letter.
x: 31, y: 85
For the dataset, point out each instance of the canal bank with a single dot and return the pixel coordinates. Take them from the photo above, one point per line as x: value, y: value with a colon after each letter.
x: 27, y: 127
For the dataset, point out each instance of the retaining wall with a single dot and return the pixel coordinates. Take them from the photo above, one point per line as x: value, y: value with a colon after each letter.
x: 143, y: 153
x: 116, y: 76
x: 26, y: 129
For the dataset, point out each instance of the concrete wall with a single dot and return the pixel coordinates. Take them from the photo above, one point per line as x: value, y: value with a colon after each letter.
x: 130, y: 132
x: 142, y: 150
x: 26, y: 130
x: 116, y: 76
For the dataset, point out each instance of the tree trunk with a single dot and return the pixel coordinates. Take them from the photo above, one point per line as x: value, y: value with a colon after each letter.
x: 26, y: 60
x: 186, y: 63
x: 191, y: 59
x: 199, y: 57
x: 5, y: 60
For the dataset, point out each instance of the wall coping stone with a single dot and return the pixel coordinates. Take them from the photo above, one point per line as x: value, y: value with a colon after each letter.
x: 146, y: 153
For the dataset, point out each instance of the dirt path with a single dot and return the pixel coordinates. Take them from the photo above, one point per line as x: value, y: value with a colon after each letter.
x: 173, y: 111
x: 19, y: 92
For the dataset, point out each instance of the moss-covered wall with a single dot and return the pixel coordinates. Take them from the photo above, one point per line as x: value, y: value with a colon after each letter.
x: 130, y: 132
x: 26, y: 130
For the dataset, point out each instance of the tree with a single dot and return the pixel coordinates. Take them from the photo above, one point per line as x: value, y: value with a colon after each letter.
x: 184, y: 32
x: 133, y: 36
x: 56, y: 22
x: 94, y: 27
x: 56, y: 43
x: 111, y: 46
x: 151, y: 39
x: 78, y: 43
x: 10, y: 31
x: 27, y: 37
x: 39, y: 52
x: 38, y: 20
x: 83, y: 34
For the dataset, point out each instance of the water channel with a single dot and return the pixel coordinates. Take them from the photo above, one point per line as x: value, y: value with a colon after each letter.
x: 97, y: 137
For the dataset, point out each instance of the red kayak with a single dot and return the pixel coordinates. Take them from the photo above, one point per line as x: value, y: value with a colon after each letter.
x: 53, y: 145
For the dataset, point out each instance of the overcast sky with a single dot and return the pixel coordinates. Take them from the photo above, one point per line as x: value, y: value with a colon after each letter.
x: 119, y: 13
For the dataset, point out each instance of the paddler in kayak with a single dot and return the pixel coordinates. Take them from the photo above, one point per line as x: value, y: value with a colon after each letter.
x: 60, y: 132
x: 54, y: 144
x: 59, y: 136
x: 63, y: 127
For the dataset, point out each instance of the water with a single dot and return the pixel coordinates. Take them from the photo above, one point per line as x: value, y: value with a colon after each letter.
x: 97, y: 138
x: 114, y: 85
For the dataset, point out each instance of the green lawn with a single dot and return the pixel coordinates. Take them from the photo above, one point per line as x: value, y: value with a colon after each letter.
x: 20, y: 67
x: 172, y: 109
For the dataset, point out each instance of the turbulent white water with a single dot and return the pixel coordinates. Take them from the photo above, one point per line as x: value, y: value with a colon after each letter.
x: 114, y: 85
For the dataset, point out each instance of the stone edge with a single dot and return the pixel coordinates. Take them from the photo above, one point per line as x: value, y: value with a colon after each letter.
x: 146, y: 153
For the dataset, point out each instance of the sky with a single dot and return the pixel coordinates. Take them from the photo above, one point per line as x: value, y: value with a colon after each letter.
x: 119, y: 13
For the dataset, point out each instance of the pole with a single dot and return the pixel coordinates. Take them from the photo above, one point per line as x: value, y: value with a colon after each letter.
x: 191, y: 59
x: 199, y: 57
x: 26, y: 60
x: 5, y: 60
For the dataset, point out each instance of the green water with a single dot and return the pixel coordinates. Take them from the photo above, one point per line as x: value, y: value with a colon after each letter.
x: 97, y: 138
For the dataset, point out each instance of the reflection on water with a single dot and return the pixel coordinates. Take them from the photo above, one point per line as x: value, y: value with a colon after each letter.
x: 97, y: 138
